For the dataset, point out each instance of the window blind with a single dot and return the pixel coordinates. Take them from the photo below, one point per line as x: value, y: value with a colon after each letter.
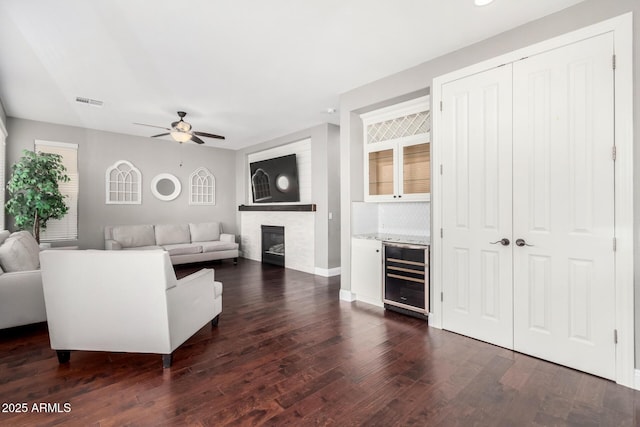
x: 65, y: 228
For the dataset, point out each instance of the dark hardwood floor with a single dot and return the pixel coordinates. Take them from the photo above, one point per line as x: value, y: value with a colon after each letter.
x: 288, y: 352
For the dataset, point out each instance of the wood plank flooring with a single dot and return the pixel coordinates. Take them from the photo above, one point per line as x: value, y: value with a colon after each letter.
x: 288, y: 352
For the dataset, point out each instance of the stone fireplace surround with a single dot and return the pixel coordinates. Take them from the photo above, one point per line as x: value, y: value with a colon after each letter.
x: 299, y: 236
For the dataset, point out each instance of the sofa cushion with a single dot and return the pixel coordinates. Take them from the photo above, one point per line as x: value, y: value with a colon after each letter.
x: 20, y: 252
x: 218, y: 246
x: 183, y: 249
x: 169, y: 234
x: 131, y: 236
x: 144, y: 248
x: 205, y: 231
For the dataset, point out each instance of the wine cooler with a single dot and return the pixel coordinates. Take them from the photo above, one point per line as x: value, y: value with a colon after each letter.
x: 406, y: 279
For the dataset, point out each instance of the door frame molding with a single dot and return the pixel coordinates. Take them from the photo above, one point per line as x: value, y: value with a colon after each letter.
x: 622, y: 29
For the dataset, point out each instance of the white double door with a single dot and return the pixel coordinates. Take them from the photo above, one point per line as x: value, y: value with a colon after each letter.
x: 527, y: 157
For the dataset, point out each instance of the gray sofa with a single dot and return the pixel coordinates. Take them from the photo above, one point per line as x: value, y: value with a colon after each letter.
x: 185, y: 243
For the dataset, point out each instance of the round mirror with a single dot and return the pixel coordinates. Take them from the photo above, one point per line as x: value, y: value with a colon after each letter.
x: 165, y: 186
x: 282, y: 183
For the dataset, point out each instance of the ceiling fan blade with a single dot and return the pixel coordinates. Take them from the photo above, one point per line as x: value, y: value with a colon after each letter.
x: 152, y: 126
x: 209, y: 135
x: 196, y: 139
x: 160, y: 134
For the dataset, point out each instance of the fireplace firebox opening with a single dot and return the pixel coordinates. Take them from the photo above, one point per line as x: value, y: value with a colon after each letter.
x: 273, y: 245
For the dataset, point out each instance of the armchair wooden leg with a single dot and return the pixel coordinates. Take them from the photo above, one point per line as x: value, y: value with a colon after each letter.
x: 235, y: 261
x: 63, y: 356
x: 166, y: 360
x: 214, y: 322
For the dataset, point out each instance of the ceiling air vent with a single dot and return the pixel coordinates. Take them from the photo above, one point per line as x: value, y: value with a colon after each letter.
x: 89, y: 101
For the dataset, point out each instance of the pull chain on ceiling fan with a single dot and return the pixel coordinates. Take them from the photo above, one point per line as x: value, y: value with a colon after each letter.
x: 181, y: 131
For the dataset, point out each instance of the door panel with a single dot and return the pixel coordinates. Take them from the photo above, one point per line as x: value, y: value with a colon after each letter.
x: 563, y: 206
x: 477, y: 281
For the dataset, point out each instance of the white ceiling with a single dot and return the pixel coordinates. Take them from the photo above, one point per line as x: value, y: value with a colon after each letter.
x: 251, y: 70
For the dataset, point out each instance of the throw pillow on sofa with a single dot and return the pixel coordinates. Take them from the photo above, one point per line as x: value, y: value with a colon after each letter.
x: 169, y: 234
x: 4, y: 234
x: 20, y: 252
x: 132, y: 236
x: 205, y: 231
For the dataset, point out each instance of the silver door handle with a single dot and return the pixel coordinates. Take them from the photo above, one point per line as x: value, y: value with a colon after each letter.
x: 521, y: 242
x: 503, y: 242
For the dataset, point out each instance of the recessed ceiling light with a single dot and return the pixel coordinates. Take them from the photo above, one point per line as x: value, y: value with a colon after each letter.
x: 482, y: 2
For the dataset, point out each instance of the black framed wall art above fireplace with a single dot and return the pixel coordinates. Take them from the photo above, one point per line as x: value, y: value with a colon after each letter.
x: 275, y: 180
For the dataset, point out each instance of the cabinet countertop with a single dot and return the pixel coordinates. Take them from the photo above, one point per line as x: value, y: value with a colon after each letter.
x: 396, y: 238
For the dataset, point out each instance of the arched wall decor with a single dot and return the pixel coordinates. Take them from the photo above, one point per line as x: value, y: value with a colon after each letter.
x: 202, y: 187
x: 260, y: 184
x: 123, y: 183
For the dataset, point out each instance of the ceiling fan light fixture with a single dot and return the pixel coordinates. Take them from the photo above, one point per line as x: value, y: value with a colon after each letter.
x: 183, y: 126
x: 181, y: 131
x: 180, y: 136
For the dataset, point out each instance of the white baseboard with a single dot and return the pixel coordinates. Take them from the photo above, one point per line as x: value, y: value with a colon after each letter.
x: 636, y: 379
x: 327, y: 272
x: 373, y: 301
x: 347, y: 295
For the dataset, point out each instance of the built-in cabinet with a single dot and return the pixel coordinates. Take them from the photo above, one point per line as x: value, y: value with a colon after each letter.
x: 366, y: 270
x: 397, y: 152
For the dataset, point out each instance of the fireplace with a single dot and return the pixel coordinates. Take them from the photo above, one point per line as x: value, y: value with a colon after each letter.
x: 273, y: 245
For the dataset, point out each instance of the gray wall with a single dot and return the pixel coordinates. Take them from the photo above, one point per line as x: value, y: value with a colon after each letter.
x: 418, y: 79
x: 98, y: 150
x: 333, y: 196
x: 325, y: 186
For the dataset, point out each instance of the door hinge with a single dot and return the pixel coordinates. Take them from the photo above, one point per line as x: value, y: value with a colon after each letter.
x: 613, y: 61
x: 441, y: 233
x: 614, y: 153
x: 615, y: 336
x: 440, y: 105
x: 441, y: 296
x: 615, y: 244
x: 440, y: 168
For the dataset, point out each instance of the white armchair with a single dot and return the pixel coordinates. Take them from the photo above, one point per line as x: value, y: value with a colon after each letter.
x: 124, y: 301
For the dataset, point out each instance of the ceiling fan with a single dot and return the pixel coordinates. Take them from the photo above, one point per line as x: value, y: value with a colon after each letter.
x: 181, y: 131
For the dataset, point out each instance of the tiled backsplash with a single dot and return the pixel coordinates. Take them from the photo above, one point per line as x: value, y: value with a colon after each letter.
x: 407, y: 218
x: 364, y: 218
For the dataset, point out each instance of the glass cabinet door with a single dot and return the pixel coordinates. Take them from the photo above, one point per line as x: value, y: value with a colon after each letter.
x: 416, y: 173
x: 381, y: 173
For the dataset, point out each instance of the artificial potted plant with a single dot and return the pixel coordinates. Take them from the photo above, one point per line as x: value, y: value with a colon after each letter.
x: 33, y: 188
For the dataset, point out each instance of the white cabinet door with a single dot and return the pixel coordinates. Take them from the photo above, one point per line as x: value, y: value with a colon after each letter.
x: 476, y: 191
x: 366, y: 270
x: 414, y: 170
x: 381, y: 172
x: 563, y: 206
